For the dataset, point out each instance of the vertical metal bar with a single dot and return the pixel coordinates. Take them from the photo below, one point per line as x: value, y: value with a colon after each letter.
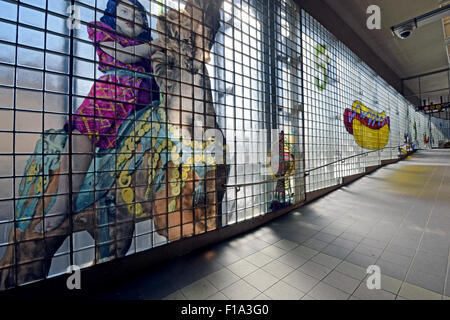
x: 71, y: 71
x: 294, y: 87
x: 234, y: 109
x: 447, y: 110
x: 218, y: 70
x: 205, y: 93
x: 273, y: 63
x: 42, y: 137
x: 302, y: 93
x: 166, y: 180
x: 430, y: 143
x: 267, y: 76
x: 16, y: 251
x: 193, y: 129
x: 100, y: 209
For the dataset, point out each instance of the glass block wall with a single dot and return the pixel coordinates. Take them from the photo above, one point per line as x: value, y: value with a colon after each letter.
x: 127, y: 125
x: 350, y: 110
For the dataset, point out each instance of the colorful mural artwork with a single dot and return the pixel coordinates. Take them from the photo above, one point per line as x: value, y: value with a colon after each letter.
x: 426, y: 138
x: 407, y: 145
x: 370, y: 129
x: 134, y: 161
x: 147, y: 122
x: 286, y: 168
x: 322, y: 64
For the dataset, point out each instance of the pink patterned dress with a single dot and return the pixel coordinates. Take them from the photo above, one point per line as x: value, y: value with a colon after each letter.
x: 114, y: 95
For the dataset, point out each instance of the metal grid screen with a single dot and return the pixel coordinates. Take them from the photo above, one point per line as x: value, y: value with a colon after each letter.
x: 126, y: 125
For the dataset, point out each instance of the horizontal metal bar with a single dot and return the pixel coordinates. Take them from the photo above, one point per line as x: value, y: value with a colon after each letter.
x: 431, y: 91
x: 305, y: 173
x: 426, y: 74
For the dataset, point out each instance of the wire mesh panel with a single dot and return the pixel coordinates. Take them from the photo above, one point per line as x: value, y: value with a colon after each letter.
x: 367, y: 137
x: 348, y: 89
x: 34, y: 98
x: 287, y: 82
x: 127, y: 125
x: 239, y: 77
x: 423, y: 130
x: 320, y: 104
x: 374, y: 122
x: 386, y: 103
x: 439, y: 132
x: 342, y: 109
x: 404, y: 123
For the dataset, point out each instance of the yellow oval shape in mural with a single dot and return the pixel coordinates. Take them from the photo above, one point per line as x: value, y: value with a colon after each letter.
x: 370, y: 138
x: 370, y: 129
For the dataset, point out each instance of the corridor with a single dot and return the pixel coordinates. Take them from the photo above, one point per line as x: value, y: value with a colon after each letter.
x: 396, y: 218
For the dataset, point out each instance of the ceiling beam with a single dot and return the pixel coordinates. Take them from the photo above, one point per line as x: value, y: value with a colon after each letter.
x: 426, y: 74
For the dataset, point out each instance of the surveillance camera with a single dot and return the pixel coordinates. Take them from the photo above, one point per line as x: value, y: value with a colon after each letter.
x: 404, y: 31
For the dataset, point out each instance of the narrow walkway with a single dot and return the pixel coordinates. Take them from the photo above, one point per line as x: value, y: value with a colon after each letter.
x: 397, y: 218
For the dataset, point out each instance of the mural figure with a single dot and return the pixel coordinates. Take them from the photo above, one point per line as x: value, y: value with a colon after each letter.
x: 127, y: 86
x: 370, y: 129
x: 286, y: 168
x: 136, y: 155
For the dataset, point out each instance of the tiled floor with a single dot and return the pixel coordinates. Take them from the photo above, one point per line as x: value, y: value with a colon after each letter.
x: 397, y: 218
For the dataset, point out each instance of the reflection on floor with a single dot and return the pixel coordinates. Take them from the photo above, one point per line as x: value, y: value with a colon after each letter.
x: 397, y: 218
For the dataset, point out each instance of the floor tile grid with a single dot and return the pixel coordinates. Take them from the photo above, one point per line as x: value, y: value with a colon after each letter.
x: 240, y: 278
x: 402, y: 224
x: 306, y: 293
x: 312, y: 236
x: 416, y: 250
x: 321, y: 281
x: 403, y: 221
x: 294, y: 269
x: 418, y: 245
x: 225, y: 266
x: 220, y: 295
x: 359, y: 242
x: 423, y: 233
x: 334, y: 269
x: 351, y: 295
x: 179, y: 288
x: 243, y: 278
x: 261, y: 268
x: 330, y: 222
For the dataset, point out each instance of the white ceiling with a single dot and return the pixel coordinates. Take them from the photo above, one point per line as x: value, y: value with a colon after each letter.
x: 423, y: 52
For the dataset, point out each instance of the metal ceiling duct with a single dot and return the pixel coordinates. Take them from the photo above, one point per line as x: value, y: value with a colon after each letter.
x: 405, y: 29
